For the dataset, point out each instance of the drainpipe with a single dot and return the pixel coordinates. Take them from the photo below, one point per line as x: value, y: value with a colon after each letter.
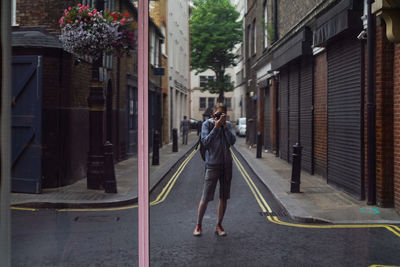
x: 371, y: 108
x: 277, y: 110
x: 5, y: 178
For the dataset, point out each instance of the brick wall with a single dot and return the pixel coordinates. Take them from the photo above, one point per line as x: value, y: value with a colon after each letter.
x: 44, y: 13
x: 320, y: 113
x: 291, y: 12
x: 396, y: 99
x: 384, y: 118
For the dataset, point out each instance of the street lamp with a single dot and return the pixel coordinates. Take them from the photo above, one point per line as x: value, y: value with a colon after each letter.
x: 96, y: 100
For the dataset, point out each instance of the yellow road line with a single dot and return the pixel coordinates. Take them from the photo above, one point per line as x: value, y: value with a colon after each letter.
x: 243, y: 171
x: 26, y: 209
x: 164, y: 193
x: 393, y: 231
x: 274, y: 219
x: 159, y: 199
x: 100, y: 209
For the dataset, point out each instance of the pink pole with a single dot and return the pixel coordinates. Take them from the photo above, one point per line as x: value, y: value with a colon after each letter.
x: 143, y: 161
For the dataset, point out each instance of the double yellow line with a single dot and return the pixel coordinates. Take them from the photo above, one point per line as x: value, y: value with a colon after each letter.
x: 167, y: 188
x: 274, y: 219
x: 159, y: 199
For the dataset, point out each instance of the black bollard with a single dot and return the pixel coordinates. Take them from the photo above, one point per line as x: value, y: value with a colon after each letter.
x: 296, y: 168
x: 174, y: 140
x: 156, y: 148
x: 259, y: 145
x: 109, y: 184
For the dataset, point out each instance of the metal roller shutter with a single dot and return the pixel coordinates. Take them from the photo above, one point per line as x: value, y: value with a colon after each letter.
x: 293, y: 107
x: 306, y: 114
x: 267, y: 118
x: 345, y: 115
x: 283, y: 114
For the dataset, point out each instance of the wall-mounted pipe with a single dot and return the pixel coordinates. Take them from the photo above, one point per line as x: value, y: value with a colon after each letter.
x: 371, y: 108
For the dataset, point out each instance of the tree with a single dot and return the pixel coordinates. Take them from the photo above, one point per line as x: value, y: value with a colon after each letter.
x: 215, y: 29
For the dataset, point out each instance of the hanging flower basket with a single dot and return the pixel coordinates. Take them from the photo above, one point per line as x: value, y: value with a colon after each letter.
x: 88, y: 32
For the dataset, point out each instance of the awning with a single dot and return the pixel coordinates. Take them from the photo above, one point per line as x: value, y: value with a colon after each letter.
x: 343, y: 16
x: 298, y: 45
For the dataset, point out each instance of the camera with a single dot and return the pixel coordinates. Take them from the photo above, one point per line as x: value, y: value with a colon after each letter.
x: 217, y: 115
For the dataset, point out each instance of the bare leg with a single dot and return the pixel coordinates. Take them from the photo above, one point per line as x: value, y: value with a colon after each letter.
x: 221, y: 209
x: 201, y: 211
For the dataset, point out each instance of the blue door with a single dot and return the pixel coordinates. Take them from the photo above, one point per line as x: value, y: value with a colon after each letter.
x: 26, y: 124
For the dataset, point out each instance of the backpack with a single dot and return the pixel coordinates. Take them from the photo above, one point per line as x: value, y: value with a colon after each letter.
x: 202, y: 147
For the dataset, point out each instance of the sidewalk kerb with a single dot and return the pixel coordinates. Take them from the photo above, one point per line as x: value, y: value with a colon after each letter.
x: 161, y: 173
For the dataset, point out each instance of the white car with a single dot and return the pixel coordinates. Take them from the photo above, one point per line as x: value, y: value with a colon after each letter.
x: 241, y: 127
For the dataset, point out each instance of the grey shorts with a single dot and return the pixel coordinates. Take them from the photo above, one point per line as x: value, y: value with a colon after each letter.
x: 212, y: 176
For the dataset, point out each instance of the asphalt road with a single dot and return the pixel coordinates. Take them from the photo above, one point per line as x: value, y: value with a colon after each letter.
x: 259, y: 231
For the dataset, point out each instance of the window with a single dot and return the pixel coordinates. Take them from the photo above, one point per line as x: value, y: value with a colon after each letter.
x: 205, y: 79
x: 228, y: 103
x: 91, y: 3
x: 202, y: 103
x: 248, y: 41
x: 152, y: 35
x: 157, y: 52
x: 254, y: 38
x: 211, y: 102
x: 14, y: 13
x: 265, y: 24
x: 163, y: 49
x: 132, y: 107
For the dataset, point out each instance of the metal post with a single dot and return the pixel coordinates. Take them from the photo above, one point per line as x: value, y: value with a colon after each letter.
x: 143, y: 131
x: 296, y: 169
x: 5, y: 178
x: 110, y: 184
x: 259, y: 145
x: 156, y: 148
x: 174, y: 140
x: 95, y: 163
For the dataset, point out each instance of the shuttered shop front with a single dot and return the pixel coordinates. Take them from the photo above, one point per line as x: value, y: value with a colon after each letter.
x: 267, y: 118
x: 283, y: 114
x: 306, y: 113
x: 345, y: 115
x: 293, y: 106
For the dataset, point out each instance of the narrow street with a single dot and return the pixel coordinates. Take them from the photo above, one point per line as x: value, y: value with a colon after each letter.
x: 255, y: 237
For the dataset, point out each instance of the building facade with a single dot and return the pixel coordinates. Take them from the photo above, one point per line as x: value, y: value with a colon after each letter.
x: 203, y: 101
x: 239, y: 93
x: 307, y: 82
x: 178, y: 62
x: 158, y: 12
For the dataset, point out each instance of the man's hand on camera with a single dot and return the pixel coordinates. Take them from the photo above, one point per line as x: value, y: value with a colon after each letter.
x: 221, y: 122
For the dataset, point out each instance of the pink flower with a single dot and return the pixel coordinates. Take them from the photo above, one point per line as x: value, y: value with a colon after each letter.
x: 79, y: 4
x: 85, y: 20
x: 69, y: 8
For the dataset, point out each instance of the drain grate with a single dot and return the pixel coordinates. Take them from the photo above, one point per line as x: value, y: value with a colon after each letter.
x: 96, y: 219
x: 274, y: 213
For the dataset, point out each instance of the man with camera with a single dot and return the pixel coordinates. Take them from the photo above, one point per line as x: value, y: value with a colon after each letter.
x: 217, y: 136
